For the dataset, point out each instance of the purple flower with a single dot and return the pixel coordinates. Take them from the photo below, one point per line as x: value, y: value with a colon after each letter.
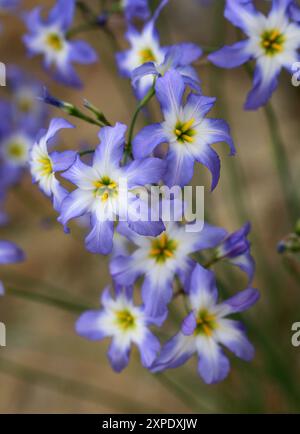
x: 44, y: 165
x: 151, y: 59
x: 9, y: 254
x: 99, y: 193
x: 273, y: 41
x: 126, y: 324
x: 136, y: 9
x: 28, y: 110
x: 178, y: 57
x: 159, y: 260
x: 144, y: 47
x: 187, y: 131
x: 236, y: 249
x: 49, y: 38
x: 205, y: 329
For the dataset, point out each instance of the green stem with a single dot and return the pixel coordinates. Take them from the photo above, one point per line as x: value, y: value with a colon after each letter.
x: 66, y: 305
x: 282, y: 163
x: 185, y: 397
x: 281, y: 159
x: 140, y: 107
x: 72, y: 387
x: 75, y: 112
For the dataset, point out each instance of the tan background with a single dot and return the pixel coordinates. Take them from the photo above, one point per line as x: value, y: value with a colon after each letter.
x: 42, y: 338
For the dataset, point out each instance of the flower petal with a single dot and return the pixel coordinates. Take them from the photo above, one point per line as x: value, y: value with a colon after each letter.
x: 213, y: 365
x: 147, y: 140
x: 243, y: 300
x: 10, y: 253
x: 169, y: 91
x: 111, y: 148
x: 118, y: 355
x: 203, y: 291
x: 100, y: 239
x: 231, y: 56
x: 149, y: 348
x: 89, y: 325
x: 174, y: 353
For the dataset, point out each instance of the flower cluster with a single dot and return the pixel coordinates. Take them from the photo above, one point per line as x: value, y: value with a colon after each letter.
x: 112, y: 186
x: 22, y: 116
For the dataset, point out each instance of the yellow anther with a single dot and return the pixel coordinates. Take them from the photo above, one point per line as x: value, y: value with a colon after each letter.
x: 274, y: 35
x: 187, y: 138
x: 277, y: 47
x: 187, y: 125
x: 104, y: 197
x: 147, y: 55
x: 55, y: 41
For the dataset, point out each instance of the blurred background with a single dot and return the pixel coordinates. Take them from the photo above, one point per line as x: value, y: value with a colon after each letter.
x: 45, y: 366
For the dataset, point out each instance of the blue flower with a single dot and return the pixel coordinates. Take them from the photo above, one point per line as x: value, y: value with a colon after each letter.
x: 97, y: 193
x: 236, y: 249
x: 126, y: 324
x: 49, y: 38
x: 28, y: 110
x: 159, y: 260
x: 145, y: 50
x: 44, y: 165
x: 9, y: 254
x: 186, y: 130
x: 136, y: 9
x: 205, y: 329
x: 144, y: 47
x: 178, y: 57
x: 273, y: 41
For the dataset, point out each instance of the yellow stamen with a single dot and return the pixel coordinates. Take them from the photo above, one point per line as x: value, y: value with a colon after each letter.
x: 55, y: 41
x: 104, y: 197
x: 147, y: 55
x: 187, y: 125
x: 274, y: 35
x: 46, y: 166
x: 277, y: 47
x: 187, y: 138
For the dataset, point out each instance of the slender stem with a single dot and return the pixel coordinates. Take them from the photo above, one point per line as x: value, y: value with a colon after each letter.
x: 185, y: 397
x: 140, y: 107
x: 281, y: 159
x: 282, y: 163
x: 70, y: 306
x: 75, y: 112
x: 72, y: 387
